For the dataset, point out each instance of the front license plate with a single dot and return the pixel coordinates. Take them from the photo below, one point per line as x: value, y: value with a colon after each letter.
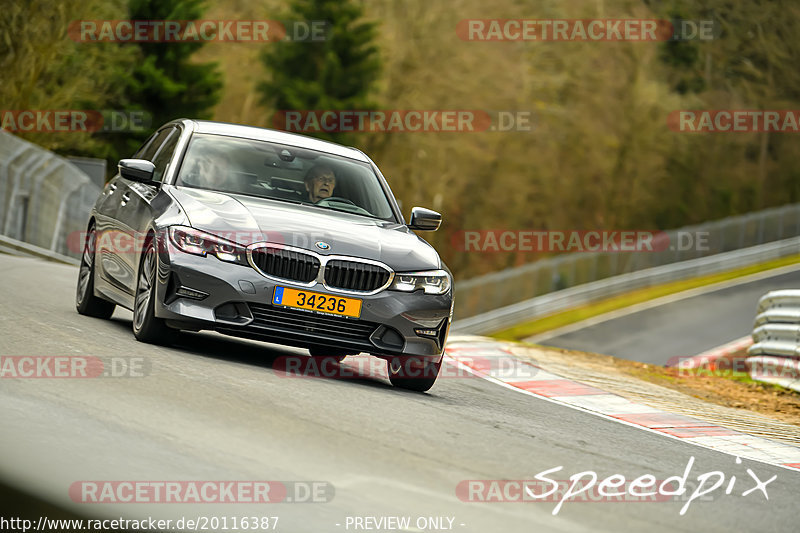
x: 315, y: 301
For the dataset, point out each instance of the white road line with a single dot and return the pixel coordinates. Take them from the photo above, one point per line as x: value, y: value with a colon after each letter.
x: 725, y: 444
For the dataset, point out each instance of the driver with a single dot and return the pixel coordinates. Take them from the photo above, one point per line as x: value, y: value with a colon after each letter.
x: 320, y: 182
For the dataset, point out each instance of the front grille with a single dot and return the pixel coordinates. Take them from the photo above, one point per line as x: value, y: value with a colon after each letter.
x: 286, y: 264
x: 300, y: 328
x: 354, y: 276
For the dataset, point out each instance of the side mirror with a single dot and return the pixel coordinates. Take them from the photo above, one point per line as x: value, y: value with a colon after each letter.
x: 137, y: 170
x: 424, y: 219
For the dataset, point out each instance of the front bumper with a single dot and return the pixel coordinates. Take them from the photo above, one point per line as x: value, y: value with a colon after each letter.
x: 238, y: 302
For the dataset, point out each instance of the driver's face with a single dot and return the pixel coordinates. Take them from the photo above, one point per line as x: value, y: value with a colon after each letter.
x: 321, y: 187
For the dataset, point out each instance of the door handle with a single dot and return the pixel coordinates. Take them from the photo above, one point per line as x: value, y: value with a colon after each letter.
x: 112, y: 187
x: 125, y: 198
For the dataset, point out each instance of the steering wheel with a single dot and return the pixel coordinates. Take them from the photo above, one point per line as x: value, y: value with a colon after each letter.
x: 353, y: 207
x: 339, y: 199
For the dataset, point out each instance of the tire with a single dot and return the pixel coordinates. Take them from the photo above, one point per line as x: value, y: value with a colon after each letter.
x: 85, y: 301
x: 146, y: 326
x: 413, y: 374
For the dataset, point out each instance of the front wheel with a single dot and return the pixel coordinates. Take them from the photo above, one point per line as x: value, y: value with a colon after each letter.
x: 413, y: 373
x: 146, y: 326
x: 85, y: 301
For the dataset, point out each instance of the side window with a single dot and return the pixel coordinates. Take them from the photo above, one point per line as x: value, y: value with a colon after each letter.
x: 149, y: 151
x: 164, y: 154
x: 144, y: 146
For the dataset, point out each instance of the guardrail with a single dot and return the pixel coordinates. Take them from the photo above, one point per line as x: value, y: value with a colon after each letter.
x: 43, y: 197
x: 777, y: 324
x: 540, y: 306
x: 774, y: 356
x: 490, y: 292
x: 15, y: 247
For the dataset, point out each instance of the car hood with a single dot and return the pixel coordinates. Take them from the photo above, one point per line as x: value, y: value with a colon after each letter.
x: 246, y: 219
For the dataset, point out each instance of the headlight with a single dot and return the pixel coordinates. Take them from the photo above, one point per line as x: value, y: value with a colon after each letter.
x: 196, y: 242
x: 431, y: 281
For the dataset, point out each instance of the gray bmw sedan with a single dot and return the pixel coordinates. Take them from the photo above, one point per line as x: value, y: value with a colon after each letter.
x: 271, y: 236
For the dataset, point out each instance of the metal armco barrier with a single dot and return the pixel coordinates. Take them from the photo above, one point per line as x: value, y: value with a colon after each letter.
x: 43, y: 197
x: 777, y: 324
x: 775, y: 355
x: 485, y: 294
x: 540, y: 306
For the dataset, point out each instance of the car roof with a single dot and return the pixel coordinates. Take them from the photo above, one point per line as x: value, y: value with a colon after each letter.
x: 280, y: 137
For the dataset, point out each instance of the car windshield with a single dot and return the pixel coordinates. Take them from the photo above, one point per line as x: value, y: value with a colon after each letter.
x: 285, y: 173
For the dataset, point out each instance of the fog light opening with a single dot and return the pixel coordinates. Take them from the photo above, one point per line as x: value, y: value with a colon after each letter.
x: 437, y: 334
x: 188, y: 292
x: 388, y: 339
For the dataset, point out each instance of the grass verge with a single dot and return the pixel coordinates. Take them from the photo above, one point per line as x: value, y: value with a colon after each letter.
x: 724, y: 388
x: 729, y: 389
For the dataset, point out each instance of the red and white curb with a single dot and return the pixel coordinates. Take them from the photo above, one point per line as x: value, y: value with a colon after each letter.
x: 478, y: 353
x: 710, y: 357
x: 781, y: 370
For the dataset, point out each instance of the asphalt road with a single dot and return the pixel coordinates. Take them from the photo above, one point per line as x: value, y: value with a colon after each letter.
x: 681, y: 328
x: 213, y: 408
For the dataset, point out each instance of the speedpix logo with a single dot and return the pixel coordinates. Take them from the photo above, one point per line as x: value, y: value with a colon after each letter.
x: 587, y: 486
